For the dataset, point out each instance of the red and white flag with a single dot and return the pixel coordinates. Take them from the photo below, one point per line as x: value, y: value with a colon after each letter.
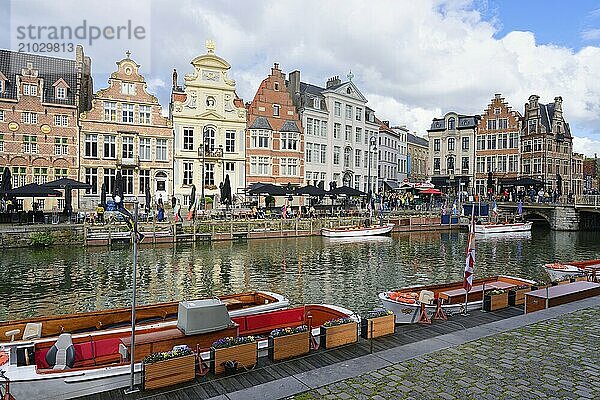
x: 470, y: 259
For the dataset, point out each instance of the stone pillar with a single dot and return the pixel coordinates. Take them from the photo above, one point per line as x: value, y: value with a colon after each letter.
x: 564, y: 218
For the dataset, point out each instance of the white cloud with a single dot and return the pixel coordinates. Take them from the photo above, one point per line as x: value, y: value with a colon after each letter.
x: 591, y: 34
x: 586, y: 146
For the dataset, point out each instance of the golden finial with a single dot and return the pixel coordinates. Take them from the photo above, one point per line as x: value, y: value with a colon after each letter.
x: 210, y: 46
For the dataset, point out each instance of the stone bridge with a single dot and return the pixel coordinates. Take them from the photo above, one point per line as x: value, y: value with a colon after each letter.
x: 584, y: 214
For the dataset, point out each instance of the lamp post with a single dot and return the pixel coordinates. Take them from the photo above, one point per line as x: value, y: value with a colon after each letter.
x: 203, y: 172
x: 372, y: 142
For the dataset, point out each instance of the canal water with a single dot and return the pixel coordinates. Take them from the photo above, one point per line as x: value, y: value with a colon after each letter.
x: 307, y: 270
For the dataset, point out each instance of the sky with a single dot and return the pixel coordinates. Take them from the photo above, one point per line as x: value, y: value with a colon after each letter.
x: 413, y: 60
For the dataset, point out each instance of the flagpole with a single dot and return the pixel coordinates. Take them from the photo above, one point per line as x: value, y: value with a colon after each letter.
x: 132, y: 388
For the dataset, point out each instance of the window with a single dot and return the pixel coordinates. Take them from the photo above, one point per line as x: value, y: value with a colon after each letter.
x: 491, y: 164
x: 188, y: 138
x: 30, y: 144
x: 491, y: 124
x: 260, y: 139
x: 503, y: 123
x: 275, y: 110
x: 211, y: 102
x: 336, y: 155
x: 309, y: 126
x: 358, y: 135
x: 450, y: 164
x: 276, y: 86
x: 309, y: 152
x: 289, y: 166
x: 19, y: 176
x: 289, y: 140
x: 317, y: 103
x: 61, y: 120
x: 451, y: 123
x: 436, y: 144
x: 91, y: 145
x: 537, y: 145
x: 127, y: 147
x: 109, y: 179
x: 229, y: 141
x: 127, y: 113
x: 229, y: 167
x: 188, y: 172
x: 503, y: 141
x: 347, y: 157
x: 526, y: 166
x: 480, y: 142
x: 357, y: 182
x: 481, y: 164
x: 465, y: 143
x: 40, y: 175
x: 357, y: 157
x: 110, y: 111
x: 110, y: 147
x: 336, y: 130
x: 260, y: 165
x: 348, y: 111
x: 537, y: 165
x: 323, y: 153
x: 145, y: 152
x: 513, y: 163
x: 61, y: 146
x: 144, y: 181
x: 61, y: 93
x: 1, y: 142
x: 91, y: 178
x: 29, y: 89
x: 501, y: 163
x: 60, y: 173
x: 451, y: 144
x: 1, y: 112
x: 337, y: 109
x: 29, y: 118
x: 127, y: 181
x: 128, y: 88
x: 348, y: 133
x: 1, y: 86
x: 496, y: 111
x: 491, y: 142
x: 532, y: 126
x: 324, y: 128
x: 465, y: 164
x: 358, y: 113
x: 161, y: 150
x: 145, y: 115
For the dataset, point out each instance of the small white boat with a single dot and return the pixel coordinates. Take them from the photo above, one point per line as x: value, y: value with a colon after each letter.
x: 404, y: 303
x: 561, y: 271
x: 357, y: 231
x: 504, y: 228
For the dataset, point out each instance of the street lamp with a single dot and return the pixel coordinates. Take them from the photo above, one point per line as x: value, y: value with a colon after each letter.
x: 204, y: 149
x: 372, y: 144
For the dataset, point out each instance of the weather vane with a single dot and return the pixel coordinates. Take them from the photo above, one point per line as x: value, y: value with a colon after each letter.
x: 127, y: 53
x: 350, y: 75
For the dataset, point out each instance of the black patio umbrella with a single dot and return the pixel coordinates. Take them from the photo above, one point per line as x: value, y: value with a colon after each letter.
x: 346, y: 191
x: 311, y: 190
x: 118, y: 189
x: 68, y: 201
x: 63, y: 183
x: 490, y: 181
x: 226, y: 193
x: 6, y: 180
x: 268, y: 189
x: 103, y: 195
x: 192, y: 198
x: 33, y: 190
x: 559, y: 184
x: 148, y: 199
x: 528, y: 182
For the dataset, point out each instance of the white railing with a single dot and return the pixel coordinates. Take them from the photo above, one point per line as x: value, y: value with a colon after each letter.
x: 592, y: 200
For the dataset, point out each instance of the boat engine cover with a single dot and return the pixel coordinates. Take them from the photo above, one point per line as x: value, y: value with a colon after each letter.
x: 201, y: 316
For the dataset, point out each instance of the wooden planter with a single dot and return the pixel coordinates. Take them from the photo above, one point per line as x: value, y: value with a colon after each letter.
x: 283, y: 347
x: 339, y: 335
x: 377, y: 327
x: 516, y: 297
x: 245, y: 354
x: 495, y: 302
x: 169, y: 372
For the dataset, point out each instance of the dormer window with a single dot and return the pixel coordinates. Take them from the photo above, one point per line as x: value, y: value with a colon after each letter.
x: 276, y: 86
x: 451, y: 123
x: 317, y: 103
x: 61, y: 93
x: 29, y: 89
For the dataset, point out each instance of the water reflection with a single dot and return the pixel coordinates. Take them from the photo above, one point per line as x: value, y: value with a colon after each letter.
x: 345, y: 272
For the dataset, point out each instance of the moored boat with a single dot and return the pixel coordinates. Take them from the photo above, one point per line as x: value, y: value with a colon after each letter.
x: 405, y: 304
x: 503, y: 228
x: 237, y: 304
x: 99, y: 361
x: 560, y: 271
x: 357, y: 231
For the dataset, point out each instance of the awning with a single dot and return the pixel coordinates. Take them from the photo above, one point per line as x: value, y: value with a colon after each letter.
x: 346, y: 191
x: 63, y: 183
x: 310, y: 190
x: 33, y: 190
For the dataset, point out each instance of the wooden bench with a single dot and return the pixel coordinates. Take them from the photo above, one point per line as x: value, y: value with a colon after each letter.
x: 561, y: 294
x: 476, y: 293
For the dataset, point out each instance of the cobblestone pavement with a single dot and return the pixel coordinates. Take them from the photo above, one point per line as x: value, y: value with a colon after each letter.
x: 557, y: 358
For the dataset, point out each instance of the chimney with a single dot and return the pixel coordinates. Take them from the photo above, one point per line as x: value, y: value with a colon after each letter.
x: 386, y: 123
x: 333, y: 81
x: 294, y: 85
x: 275, y: 71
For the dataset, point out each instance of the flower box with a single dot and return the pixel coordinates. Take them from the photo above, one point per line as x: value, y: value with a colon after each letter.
x: 339, y: 335
x: 243, y: 355
x: 495, y: 301
x: 516, y: 297
x: 376, y: 327
x: 169, y: 372
x: 287, y: 346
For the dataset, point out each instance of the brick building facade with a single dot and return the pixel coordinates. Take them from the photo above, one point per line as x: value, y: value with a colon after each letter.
x: 417, y: 158
x: 274, y: 137
x: 125, y: 131
x: 40, y: 99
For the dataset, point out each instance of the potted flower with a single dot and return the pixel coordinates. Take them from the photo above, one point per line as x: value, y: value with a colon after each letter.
x: 338, y: 332
x: 495, y: 300
x: 169, y: 367
x: 233, y: 352
x: 516, y: 295
x: 539, y: 285
x: 289, y: 342
x: 377, y: 323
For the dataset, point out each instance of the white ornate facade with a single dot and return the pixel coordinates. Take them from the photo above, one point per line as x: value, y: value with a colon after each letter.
x: 209, y: 122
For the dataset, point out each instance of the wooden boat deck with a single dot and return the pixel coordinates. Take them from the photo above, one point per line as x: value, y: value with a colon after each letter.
x: 267, y: 371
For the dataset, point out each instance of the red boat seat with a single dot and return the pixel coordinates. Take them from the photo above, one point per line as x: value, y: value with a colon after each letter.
x: 264, y: 323
x: 93, y: 352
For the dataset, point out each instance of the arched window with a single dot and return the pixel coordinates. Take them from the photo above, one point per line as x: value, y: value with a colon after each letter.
x: 451, y: 123
x: 209, y: 138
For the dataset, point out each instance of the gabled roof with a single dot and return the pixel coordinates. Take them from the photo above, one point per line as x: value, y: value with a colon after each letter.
x: 50, y: 69
x: 410, y: 138
x: 311, y: 89
x: 261, y: 123
x: 289, y: 126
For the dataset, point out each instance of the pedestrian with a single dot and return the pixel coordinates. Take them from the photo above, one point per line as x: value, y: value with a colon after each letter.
x: 160, y: 211
x: 177, y: 212
x: 100, y: 213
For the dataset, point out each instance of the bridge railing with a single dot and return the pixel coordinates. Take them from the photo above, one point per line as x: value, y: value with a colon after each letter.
x: 592, y: 200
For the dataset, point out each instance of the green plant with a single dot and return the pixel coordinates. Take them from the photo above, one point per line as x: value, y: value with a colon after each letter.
x: 378, y: 313
x: 167, y: 355
x: 338, y: 321
x: 288, y: 331
x: 496, y: 292
x: 43, y: 239
x: 232, y: 341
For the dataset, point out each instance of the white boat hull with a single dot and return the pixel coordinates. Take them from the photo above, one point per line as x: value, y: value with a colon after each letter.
x: 562, y: 274
x: 503, y: 228
x: 409, y: 313
x: 357, y: 232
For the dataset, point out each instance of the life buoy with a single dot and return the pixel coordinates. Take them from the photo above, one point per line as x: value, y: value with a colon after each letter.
x: 3, y: 357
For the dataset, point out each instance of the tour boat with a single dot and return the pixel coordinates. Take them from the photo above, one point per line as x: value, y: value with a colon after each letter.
x: 73, y: 365
x: 357, y: 231
x: 504, y: 228
x: 237, y: 304
x: 405, y: 304
x: 560, y: 271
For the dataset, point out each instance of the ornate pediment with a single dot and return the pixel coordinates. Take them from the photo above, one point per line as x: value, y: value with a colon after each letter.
x: 349, y: 89
x: 211, y: 115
